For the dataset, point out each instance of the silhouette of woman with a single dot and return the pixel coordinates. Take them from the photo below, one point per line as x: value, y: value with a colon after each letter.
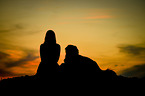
x: 49, y: 53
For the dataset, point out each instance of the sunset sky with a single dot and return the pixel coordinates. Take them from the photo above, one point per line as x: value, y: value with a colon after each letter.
x: 111, y: 32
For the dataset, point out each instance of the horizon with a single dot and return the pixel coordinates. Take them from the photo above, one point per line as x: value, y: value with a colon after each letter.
x: 112, y: 33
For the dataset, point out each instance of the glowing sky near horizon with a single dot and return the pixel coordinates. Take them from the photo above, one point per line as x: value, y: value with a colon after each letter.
x: 111, y: 32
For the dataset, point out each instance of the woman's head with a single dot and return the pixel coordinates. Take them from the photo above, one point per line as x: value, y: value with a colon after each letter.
x: 50, y: 37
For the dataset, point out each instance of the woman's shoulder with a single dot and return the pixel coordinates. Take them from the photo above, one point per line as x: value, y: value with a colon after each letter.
x: 57, y: 45
x: 42, y: 45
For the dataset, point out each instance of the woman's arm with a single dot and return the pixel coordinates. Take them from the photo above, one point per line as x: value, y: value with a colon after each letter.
x: 58, y: 52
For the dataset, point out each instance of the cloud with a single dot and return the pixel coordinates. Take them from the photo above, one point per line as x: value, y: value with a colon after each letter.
x: 135, y: 71
x: 98, y: 17
x: 5, y: 30
x: 5, y: 73
x: 132, y: 49
x: 13, y: 27
x: 85, y: 19
x: 3, y: 55
x: 22, y: 61
x: 20, y: 26
x: 89, y: 17
x: 136, y: 53
x: 16, y: 30
x: 10, y: 62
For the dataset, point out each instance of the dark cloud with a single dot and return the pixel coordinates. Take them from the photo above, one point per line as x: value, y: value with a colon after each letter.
x: 137, y: 53
x: 135, y: 71
x: 17, y: 27
x: 22, y: 61
x: 20, y: 26
x: 6, y: 63
x: 5, y: 30
x: 5, y: 73
x: 3, y: 55
x: 13, y: 28
x: 132, y: 49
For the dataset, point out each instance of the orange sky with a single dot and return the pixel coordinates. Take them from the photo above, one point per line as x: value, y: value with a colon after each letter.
x: 111, y: 32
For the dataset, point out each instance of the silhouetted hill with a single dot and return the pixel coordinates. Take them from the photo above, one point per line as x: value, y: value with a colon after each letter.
x: 107, y: 77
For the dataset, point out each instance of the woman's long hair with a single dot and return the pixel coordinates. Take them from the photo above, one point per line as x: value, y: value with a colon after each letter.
x: 50, y: 37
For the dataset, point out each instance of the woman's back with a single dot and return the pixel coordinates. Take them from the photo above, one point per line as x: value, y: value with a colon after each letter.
x: 49, y: 53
